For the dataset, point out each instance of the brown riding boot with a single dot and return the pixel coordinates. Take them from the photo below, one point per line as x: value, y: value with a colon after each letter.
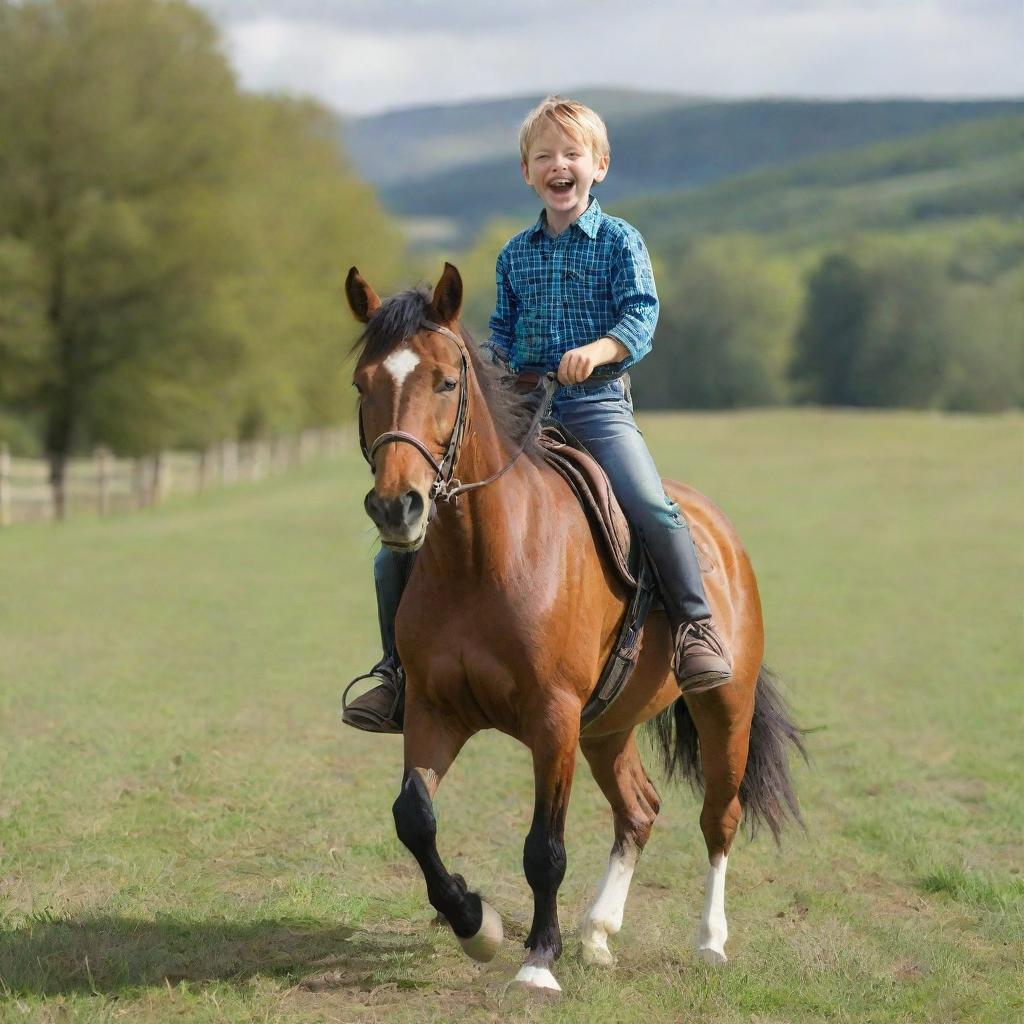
x: 701, y: 661
x: 381, y: 709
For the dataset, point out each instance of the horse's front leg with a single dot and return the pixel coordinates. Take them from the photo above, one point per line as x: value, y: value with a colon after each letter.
x: 430, y: 748
x: 553, y: 742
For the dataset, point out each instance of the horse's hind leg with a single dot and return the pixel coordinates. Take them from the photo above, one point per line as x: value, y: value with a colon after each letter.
x: 430, y: 748
x: 553, y: 745
x: 616, y: 767
x: 722, y: 718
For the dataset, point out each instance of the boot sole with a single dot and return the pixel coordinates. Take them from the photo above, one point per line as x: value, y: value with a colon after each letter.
x: 367, y: 724
x: 703, y: 682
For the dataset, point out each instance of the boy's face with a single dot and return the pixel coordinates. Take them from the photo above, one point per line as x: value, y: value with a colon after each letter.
x: 556, y: 158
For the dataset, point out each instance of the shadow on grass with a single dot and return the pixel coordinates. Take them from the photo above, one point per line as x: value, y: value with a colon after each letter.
x: 109, y: 954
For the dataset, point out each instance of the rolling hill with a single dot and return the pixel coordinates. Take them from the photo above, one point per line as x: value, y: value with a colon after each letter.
x: 961, y: 172
x: 661, y: 146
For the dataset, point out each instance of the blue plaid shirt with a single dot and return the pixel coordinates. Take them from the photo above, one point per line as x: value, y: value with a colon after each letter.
x: 557, y: 293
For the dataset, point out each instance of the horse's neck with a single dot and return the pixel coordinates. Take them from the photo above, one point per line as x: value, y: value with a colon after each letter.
x: 481, y: 531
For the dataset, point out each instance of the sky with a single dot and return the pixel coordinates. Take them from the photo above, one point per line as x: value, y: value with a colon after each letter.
x: 368, y: 56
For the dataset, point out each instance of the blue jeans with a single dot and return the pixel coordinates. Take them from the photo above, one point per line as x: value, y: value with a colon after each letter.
x: 602, y: 419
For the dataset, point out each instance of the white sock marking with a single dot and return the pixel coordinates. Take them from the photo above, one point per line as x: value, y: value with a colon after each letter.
x: 537, y: 977
x: 604, y: 917
x: 713, y: 928
x: 400, y: 364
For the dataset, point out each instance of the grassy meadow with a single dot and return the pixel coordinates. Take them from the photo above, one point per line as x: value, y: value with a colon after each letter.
x: 188, y: 833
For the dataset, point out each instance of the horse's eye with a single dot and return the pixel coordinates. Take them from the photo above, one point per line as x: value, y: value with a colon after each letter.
x: 450, y: 383
x: 359, y: 390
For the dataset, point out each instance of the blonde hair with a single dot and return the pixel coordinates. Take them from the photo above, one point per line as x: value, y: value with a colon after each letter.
x: 575, y: 119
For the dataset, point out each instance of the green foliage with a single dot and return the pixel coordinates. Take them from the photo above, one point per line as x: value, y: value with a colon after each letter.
x: 171, y: 250
x: 722, y: 341
x: 959, y: 173
x: 888, y: 324
x: 24, y: 331
x: 835, y: 311
x: 986, y: 367
x: 302, y: 218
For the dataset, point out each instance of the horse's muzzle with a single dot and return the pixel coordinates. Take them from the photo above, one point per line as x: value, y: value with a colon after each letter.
x: 401, y: 520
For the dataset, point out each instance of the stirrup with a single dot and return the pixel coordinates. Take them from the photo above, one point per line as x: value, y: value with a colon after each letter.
x: 389, y: 674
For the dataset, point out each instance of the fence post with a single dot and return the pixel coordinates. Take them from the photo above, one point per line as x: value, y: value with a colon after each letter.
x: 103, y: 480
x: 5, y: 485
x: 156, y: 480
x: 201, y: 472
x: 139, y: 482
x: 229, y: 464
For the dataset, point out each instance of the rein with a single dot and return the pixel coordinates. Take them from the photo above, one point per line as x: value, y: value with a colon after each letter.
x: 446, y: 486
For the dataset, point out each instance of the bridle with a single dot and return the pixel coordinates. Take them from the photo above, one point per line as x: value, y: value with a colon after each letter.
x: 446, y: 486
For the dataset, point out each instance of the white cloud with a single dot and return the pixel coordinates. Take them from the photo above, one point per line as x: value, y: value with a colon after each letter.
x: 364, y: 58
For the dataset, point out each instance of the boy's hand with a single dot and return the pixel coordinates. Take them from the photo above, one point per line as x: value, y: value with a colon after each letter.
x: 579, y: 363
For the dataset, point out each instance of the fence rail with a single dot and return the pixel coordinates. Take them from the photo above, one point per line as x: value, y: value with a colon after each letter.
x: 105, y: 484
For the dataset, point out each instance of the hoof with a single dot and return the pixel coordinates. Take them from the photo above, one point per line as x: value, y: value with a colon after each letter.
x: 597, y: 952
x: 482, y: 946
x: 538, y: 978
x: 712, y: 956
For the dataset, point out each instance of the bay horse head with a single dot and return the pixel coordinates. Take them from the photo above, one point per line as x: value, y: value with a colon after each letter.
x: 412, y: 377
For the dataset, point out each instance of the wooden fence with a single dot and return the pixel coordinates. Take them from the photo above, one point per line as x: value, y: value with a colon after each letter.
x: 105, y: 484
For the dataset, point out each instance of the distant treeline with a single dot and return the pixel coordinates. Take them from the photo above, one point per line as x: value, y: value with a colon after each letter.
x: 927, y: 318
x: 171, y: 249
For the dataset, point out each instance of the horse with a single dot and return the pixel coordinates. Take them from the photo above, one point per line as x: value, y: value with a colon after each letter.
x: 508, y: 617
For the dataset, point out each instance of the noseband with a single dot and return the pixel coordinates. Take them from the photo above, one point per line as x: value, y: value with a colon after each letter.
x: 445, y: 485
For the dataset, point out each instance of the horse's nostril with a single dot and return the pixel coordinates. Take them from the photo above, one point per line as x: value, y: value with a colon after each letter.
x: 412, y: 507
x: 374, y: 507
x: 394, y: 513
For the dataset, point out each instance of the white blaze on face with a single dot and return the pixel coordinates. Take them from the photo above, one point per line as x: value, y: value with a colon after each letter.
x: 400, y: 364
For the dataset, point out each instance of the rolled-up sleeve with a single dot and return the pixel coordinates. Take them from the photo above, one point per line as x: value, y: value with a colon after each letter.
x: 635, y: 296
x: 502, y: 324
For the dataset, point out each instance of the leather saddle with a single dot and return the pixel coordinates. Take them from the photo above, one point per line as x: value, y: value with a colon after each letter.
x: 625, y: 554
x: 581, y: 471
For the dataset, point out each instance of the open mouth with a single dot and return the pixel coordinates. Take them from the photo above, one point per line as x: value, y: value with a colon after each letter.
x: 411, y: 545
x: 562, y: 185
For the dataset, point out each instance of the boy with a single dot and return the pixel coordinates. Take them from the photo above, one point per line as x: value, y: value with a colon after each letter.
x: 576, y: 295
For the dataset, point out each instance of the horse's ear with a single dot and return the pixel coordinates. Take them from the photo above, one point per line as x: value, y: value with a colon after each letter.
x: 362, y: 299
x: 447, y: 300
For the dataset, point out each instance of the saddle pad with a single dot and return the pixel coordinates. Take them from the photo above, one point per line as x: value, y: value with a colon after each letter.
x: 593, y: 489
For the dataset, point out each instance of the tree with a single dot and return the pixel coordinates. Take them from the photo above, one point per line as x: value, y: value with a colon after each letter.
x: 830, y: 332
x: 986, y: 364
x: 727, y: 316
x: 115, y: 136
x: 303, y: 218
x: 171, y: 249
x: 877, y: 328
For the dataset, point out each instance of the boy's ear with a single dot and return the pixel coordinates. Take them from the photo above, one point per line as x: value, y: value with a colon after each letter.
x: 447, y: 300
x: 362, y: 299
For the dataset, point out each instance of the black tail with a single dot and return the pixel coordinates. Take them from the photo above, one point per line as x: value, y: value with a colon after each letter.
x: 766, y: 793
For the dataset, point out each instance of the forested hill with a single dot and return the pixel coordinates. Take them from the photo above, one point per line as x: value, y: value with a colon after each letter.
x: 407, y: 144
x: 658, y: 146
x: 961, y: 172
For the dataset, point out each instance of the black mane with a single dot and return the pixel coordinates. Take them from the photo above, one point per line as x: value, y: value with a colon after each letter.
x: 399, y: 317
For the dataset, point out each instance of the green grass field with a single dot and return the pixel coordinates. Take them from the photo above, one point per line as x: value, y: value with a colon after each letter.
x: 187, y: 832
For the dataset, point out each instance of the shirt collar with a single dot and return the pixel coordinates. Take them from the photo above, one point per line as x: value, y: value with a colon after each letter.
x: 588, y: 222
